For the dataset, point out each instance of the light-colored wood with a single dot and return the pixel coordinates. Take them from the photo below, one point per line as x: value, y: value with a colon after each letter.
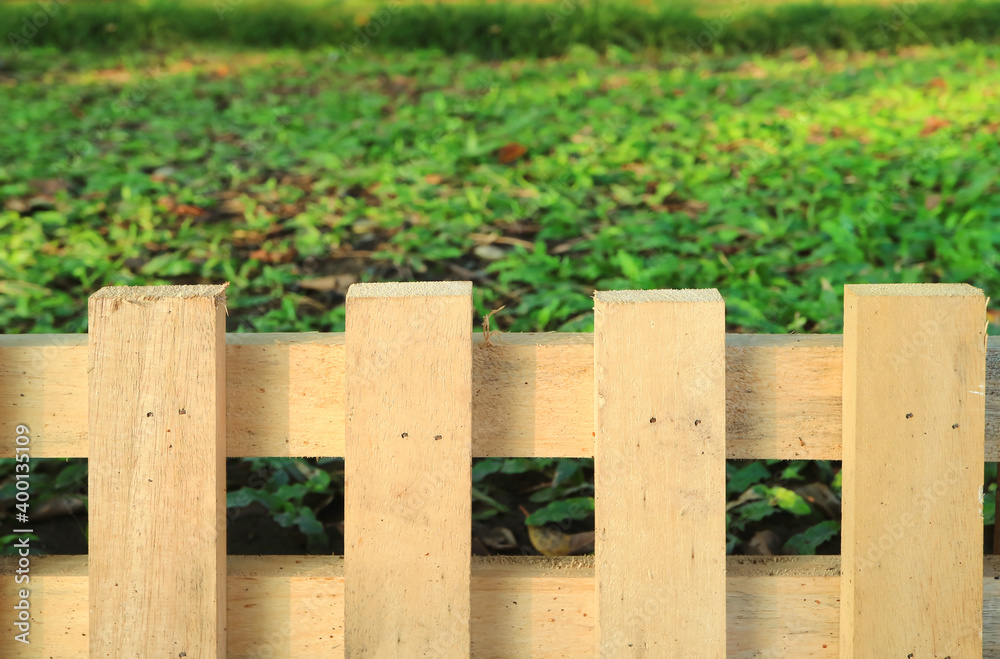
x: 157, y: 530
x: 912, y: 538
x: 525, y: 607
x: 533, y: 395
x: 776, y: 607
x: 659, y: 473
x: 407, y: 509
x: 991, y: 607
x: 43, y: 384
x: 297, y: 611
x: 786, y: 606
x: 783, y: 396
x: 285, y: 394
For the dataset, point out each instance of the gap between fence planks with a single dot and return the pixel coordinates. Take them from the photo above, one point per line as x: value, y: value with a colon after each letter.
x: 292, y: 606
x: 532, y: 395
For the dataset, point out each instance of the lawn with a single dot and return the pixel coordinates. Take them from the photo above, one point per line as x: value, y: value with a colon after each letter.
x: 292, y: 174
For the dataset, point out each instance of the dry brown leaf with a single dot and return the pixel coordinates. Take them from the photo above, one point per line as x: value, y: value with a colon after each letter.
x: 553, y: 542
x: 184, y: 210
x: 750, y: 495
x: 932, y: 201
x: 581, y: 543
x: 499, y: 538
x: 330, y: 282
x: 933, y: 125
x: 562, y: 248
x: 486, y: 324
x: 433, y: 179
x: 549, y: 542
x: 939, y: 83
x: 489, y: 252
x: 510, y: 152
x: 275, y: 256
x: 821, y: 496
x: 66, y: 504
x: 764, y: 543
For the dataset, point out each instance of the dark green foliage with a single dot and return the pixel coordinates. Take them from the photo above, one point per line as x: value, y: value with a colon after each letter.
x: 283, y: 486
x: 502, y: 29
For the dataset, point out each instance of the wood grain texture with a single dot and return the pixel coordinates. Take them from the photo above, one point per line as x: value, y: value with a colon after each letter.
x: 407, y: 510
x: 533, y: 395
x: 912, y: 538
x: 157, y: 531
x: 521, y: 607
x: 43, y: 384
x: 783, y: 396
x: 285, y: 395
x: 659, y: 473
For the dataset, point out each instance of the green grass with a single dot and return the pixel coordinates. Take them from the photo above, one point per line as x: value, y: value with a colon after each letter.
x: 501, y: 29
x: 776, y: 180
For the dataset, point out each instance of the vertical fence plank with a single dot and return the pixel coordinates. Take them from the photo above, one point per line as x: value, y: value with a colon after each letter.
x: 914, y: 416
x: 407, y: 520
x: 660, y: 473
x: 157, y: 471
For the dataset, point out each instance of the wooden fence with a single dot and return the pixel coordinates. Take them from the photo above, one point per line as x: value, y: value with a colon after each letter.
x: 658, y: 394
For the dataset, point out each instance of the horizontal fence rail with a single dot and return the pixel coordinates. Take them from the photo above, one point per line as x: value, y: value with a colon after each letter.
x: 157, y: 396
x: 532, y: 396
x: 293, y: 606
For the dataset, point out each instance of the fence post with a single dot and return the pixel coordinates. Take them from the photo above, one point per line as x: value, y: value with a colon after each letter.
x: 157, y: 472
x: 914, y: 415
x: 660, y: 473
x: 407, y: 513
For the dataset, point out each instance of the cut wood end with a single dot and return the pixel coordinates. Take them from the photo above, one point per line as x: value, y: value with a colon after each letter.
x: 411, y: 289
x: 136, y: 293
x: 661, y: 295
x: 925, y: 290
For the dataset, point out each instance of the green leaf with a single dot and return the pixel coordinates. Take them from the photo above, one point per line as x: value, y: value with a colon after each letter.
x: 756, y: 511
x: 307, y: 522
x: 792, y: 471
x: 745, y: 477
x: 805, y: 543
x: 485, y: 514
x: 245, y: 496
x: 631, y: 267
x: 484, y: 468
x: 731, y: 542
x: 71, y: 474
x: 479, y: 495
x: 789, y: 501
x: 557, y: 511
x: 524, y: 465
x: 566, y: 468
x: 543, y: 496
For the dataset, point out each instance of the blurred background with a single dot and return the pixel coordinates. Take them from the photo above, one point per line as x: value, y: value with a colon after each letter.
x: 773, y: 149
